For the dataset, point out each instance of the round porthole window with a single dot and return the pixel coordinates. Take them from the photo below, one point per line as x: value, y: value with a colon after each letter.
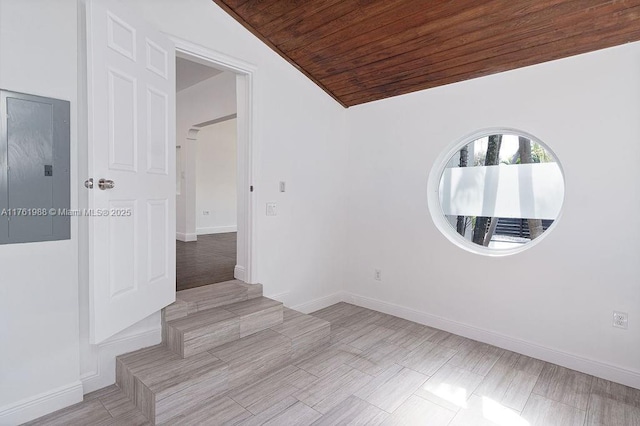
x: 496, y: 192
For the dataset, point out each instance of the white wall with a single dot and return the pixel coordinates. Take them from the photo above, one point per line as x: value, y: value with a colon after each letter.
x: 38, y: 281
x: 565, y: 308
x: 300, y: 139
x: 216, y: 172
x: 554, y: 300
x: 210, y: 99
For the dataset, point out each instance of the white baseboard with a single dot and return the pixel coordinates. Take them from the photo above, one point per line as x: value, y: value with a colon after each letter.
x: 565, y: 359
x: 320, y: 303
x: 107, y: 352
x: 40, y: 405
x: 281, y: 297
x: 216, y: 230
x: 239, y: 273
x: 180, y: 236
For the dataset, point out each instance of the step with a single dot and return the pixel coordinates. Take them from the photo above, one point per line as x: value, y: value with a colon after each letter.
x: 210, y: 328
x: 170, y: 389
x: 206, y: 297
x: 214, y: 295
x: 251, y: 356
x: 163, y: 385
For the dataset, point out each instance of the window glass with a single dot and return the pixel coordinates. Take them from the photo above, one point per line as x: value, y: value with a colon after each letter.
x: 499, y: 191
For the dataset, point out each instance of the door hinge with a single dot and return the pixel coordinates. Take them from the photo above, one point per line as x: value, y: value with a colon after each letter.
x: 251, y: 188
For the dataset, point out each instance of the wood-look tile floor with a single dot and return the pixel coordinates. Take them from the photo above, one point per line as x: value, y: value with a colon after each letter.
x: 383, y: 370
x: 209, y: 260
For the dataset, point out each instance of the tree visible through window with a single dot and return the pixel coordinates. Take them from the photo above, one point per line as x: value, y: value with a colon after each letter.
x: 501, y: 190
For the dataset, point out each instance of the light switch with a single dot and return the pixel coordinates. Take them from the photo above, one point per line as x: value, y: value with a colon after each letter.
x: 271, y: 209
x: 282, y: 186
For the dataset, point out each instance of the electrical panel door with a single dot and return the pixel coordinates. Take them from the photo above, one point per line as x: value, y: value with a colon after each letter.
x: 34, y: 168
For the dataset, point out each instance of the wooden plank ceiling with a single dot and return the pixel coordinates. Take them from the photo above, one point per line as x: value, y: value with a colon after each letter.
x: 364, y: 50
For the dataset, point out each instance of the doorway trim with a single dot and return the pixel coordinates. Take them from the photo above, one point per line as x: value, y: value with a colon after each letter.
x: 246, y: 118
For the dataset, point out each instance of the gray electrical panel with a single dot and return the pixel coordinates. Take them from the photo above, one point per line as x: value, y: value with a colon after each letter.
x: 34, y: 168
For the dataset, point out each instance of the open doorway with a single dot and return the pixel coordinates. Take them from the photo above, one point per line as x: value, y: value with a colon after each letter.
x: 206, y: 174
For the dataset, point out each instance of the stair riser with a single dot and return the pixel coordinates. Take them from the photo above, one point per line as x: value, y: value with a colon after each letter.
x: 204, y: 339
x: 160, y: 408
x: 217, y: 334
x: 213, y: 296
x: 125, y: 380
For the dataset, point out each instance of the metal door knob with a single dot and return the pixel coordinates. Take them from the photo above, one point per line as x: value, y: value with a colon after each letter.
x: 88, y: 183
x: 106, y: 184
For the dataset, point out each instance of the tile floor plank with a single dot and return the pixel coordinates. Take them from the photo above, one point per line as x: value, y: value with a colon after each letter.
x: 541, y: 411
x: 450, y: 387
x: 214, y: 411
x: 564, y: 385
x: 419, y: 412
x: 268, y: 414
x: 298, y: 414
x: 428, y: 358
x: 390, y: 389
x: 377, y: 358
x: 482, y: 411
x: 325, y: 361
x: 612, y: 404
x: 79, y: 414
x: 260, y: 395
x: 330, y: 390
x: 353, y: 411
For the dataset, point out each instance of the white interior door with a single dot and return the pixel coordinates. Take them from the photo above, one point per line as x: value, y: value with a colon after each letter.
x: 131, y: 100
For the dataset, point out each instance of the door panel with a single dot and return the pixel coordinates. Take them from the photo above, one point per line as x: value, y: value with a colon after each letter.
x: 131, y: 99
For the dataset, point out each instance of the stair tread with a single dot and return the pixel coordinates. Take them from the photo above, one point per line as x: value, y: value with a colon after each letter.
x: 218, y: 294
x: 208, y: 317
x: 202, y: 319
x: 210, y: 291
x: 251, y: 306
x: 251, y: 346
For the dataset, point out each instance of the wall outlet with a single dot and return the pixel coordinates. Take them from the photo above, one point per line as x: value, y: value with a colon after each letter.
x: 271, y: 209
x: 620, y: 319
x: 377, y: 274
x: 206, y: 213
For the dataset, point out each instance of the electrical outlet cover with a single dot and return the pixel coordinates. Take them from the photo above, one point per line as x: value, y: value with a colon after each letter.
x: 271, y: 209
x: 620, y: 319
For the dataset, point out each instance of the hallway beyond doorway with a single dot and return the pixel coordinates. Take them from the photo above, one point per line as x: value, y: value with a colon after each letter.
x: 209, y: 260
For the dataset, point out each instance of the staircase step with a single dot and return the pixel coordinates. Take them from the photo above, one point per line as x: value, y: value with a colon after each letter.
x: 163, y: 385
x: 208, y: 329
x: 257, y: 314
x: 216, y: 338
x: 254, y: 355
x: 305, y: 331
x: 202, y: 331
x: 219, y: 294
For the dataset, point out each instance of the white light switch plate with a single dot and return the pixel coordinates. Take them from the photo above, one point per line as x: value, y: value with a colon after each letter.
x: 271, y: 209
